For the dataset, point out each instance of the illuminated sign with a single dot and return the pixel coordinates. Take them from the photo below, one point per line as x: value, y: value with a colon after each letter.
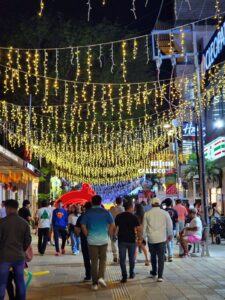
x: 215, y: 149
x: 157, y: 167
x: 214, y: 48
x: 188, y: 129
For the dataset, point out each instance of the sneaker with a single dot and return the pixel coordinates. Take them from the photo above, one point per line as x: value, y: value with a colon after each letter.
x: 94, y: 287
x: 170, y: 258
x: 160, y: 280
x: 115, y: 260
x: 123, y: 280
x: 63, y: 251
x: 152, y: 275
x: 87, y: 278
x: 132, y: 276
x: 102, y: 282
x: 57, y: 254
x: 77, y: 252
x: 74, y: 253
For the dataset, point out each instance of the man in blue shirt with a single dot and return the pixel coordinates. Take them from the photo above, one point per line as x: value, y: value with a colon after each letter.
x: 59, y: 224
x: 97, y: 223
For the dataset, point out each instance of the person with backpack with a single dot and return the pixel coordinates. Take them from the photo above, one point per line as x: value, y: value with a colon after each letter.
x: 174, y: 217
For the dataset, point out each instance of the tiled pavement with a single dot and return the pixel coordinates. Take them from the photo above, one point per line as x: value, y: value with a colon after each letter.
x: 192, y: 278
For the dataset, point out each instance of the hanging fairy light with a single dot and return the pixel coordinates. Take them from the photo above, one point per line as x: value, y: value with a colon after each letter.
x: 42, y: 5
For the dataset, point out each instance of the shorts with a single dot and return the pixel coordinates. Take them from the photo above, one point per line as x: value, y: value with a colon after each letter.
x: 193, y: 239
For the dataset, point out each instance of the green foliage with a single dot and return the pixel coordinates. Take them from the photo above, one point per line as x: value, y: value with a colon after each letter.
x: 213, y: 173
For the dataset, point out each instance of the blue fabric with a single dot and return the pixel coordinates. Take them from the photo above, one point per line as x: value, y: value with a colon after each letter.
x: 18, y: 269
x: 75, y: 242
x: 97, y: 220
x: 60, y: 218
x: 170, y: 245
x: 123, y: 248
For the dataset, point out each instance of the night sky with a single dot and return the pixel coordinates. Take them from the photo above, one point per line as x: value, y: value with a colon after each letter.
x: 114, y: 11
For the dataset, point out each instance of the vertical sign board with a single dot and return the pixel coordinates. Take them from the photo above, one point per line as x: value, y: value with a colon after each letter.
x: 214, y: 48
x: 215, y: 149
x: 170, y: 182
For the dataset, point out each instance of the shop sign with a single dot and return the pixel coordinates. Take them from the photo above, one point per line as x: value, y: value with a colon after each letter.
x: 157, y: 167
x: 214, y: 48
x: 215, y: 149
x: 188, y: 129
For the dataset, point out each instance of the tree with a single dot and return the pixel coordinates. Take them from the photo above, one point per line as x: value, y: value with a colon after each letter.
x: 213, y: 173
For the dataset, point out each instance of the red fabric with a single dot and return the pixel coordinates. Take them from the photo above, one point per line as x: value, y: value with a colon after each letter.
x: 81, y: 196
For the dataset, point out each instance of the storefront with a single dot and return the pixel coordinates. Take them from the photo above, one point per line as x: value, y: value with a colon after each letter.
x: 18, y: 179
x: 215, y: 151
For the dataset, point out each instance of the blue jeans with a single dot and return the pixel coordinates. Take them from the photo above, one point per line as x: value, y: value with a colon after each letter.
x: 180, y: 227
x: 170, y: 245
x: 123, y: 247
x: 18, y: 269
x: 75, y: 242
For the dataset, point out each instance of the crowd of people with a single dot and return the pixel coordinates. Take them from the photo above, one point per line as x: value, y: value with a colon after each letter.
x: 131, y: 227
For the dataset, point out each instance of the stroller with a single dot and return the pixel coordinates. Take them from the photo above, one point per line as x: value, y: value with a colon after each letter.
x: 218, y: 228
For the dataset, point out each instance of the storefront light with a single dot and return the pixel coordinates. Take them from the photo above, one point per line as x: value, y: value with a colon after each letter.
x: 219, y: 123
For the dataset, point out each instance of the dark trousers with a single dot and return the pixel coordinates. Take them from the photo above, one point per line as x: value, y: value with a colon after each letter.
x: 123, y: 248
x: 98, y: 261
x: 57, y: 233
x: 86, y: 258
x: 18, y: 269
x: 43, y: 234
x: 157, y: 258
x: 10, y: 287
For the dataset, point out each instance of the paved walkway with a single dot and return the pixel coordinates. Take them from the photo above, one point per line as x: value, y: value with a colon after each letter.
x: 192, y: 278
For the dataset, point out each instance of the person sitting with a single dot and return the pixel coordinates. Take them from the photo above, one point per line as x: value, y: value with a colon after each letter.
x: 193, y: 233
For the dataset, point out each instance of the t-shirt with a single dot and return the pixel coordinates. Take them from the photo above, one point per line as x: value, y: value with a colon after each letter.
x: 97, y: 220
x: 59, y: 218
x: 126, y: 222
x: 24, y: 213
x: 73, y: 219
x: 44, y: 215
x: 116, y: 210
x: 173, y: 215
x: 182, y: 212
x: 196, y: 222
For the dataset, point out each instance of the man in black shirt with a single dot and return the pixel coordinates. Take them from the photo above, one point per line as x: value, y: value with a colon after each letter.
x: 24, y: 212
x: 127, y: 226
x: 174, y: 217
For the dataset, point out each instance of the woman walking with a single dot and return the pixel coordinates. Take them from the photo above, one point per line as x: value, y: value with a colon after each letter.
x: 139, y: 212
x: 75, y: 240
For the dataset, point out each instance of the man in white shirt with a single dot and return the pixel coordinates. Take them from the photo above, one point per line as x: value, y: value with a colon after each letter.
x: 2, y: 210
x: 193, y: 233
x: 44, y: 217
x: 115, y: 211
x: 158, y: 228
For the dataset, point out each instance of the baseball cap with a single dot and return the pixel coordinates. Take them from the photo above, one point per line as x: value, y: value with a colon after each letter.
x: 155, y: 201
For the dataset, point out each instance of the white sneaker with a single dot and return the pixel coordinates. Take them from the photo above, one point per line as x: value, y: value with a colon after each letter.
x: 94, y: 287
x: 102, y: 282
x: 160, y: 280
